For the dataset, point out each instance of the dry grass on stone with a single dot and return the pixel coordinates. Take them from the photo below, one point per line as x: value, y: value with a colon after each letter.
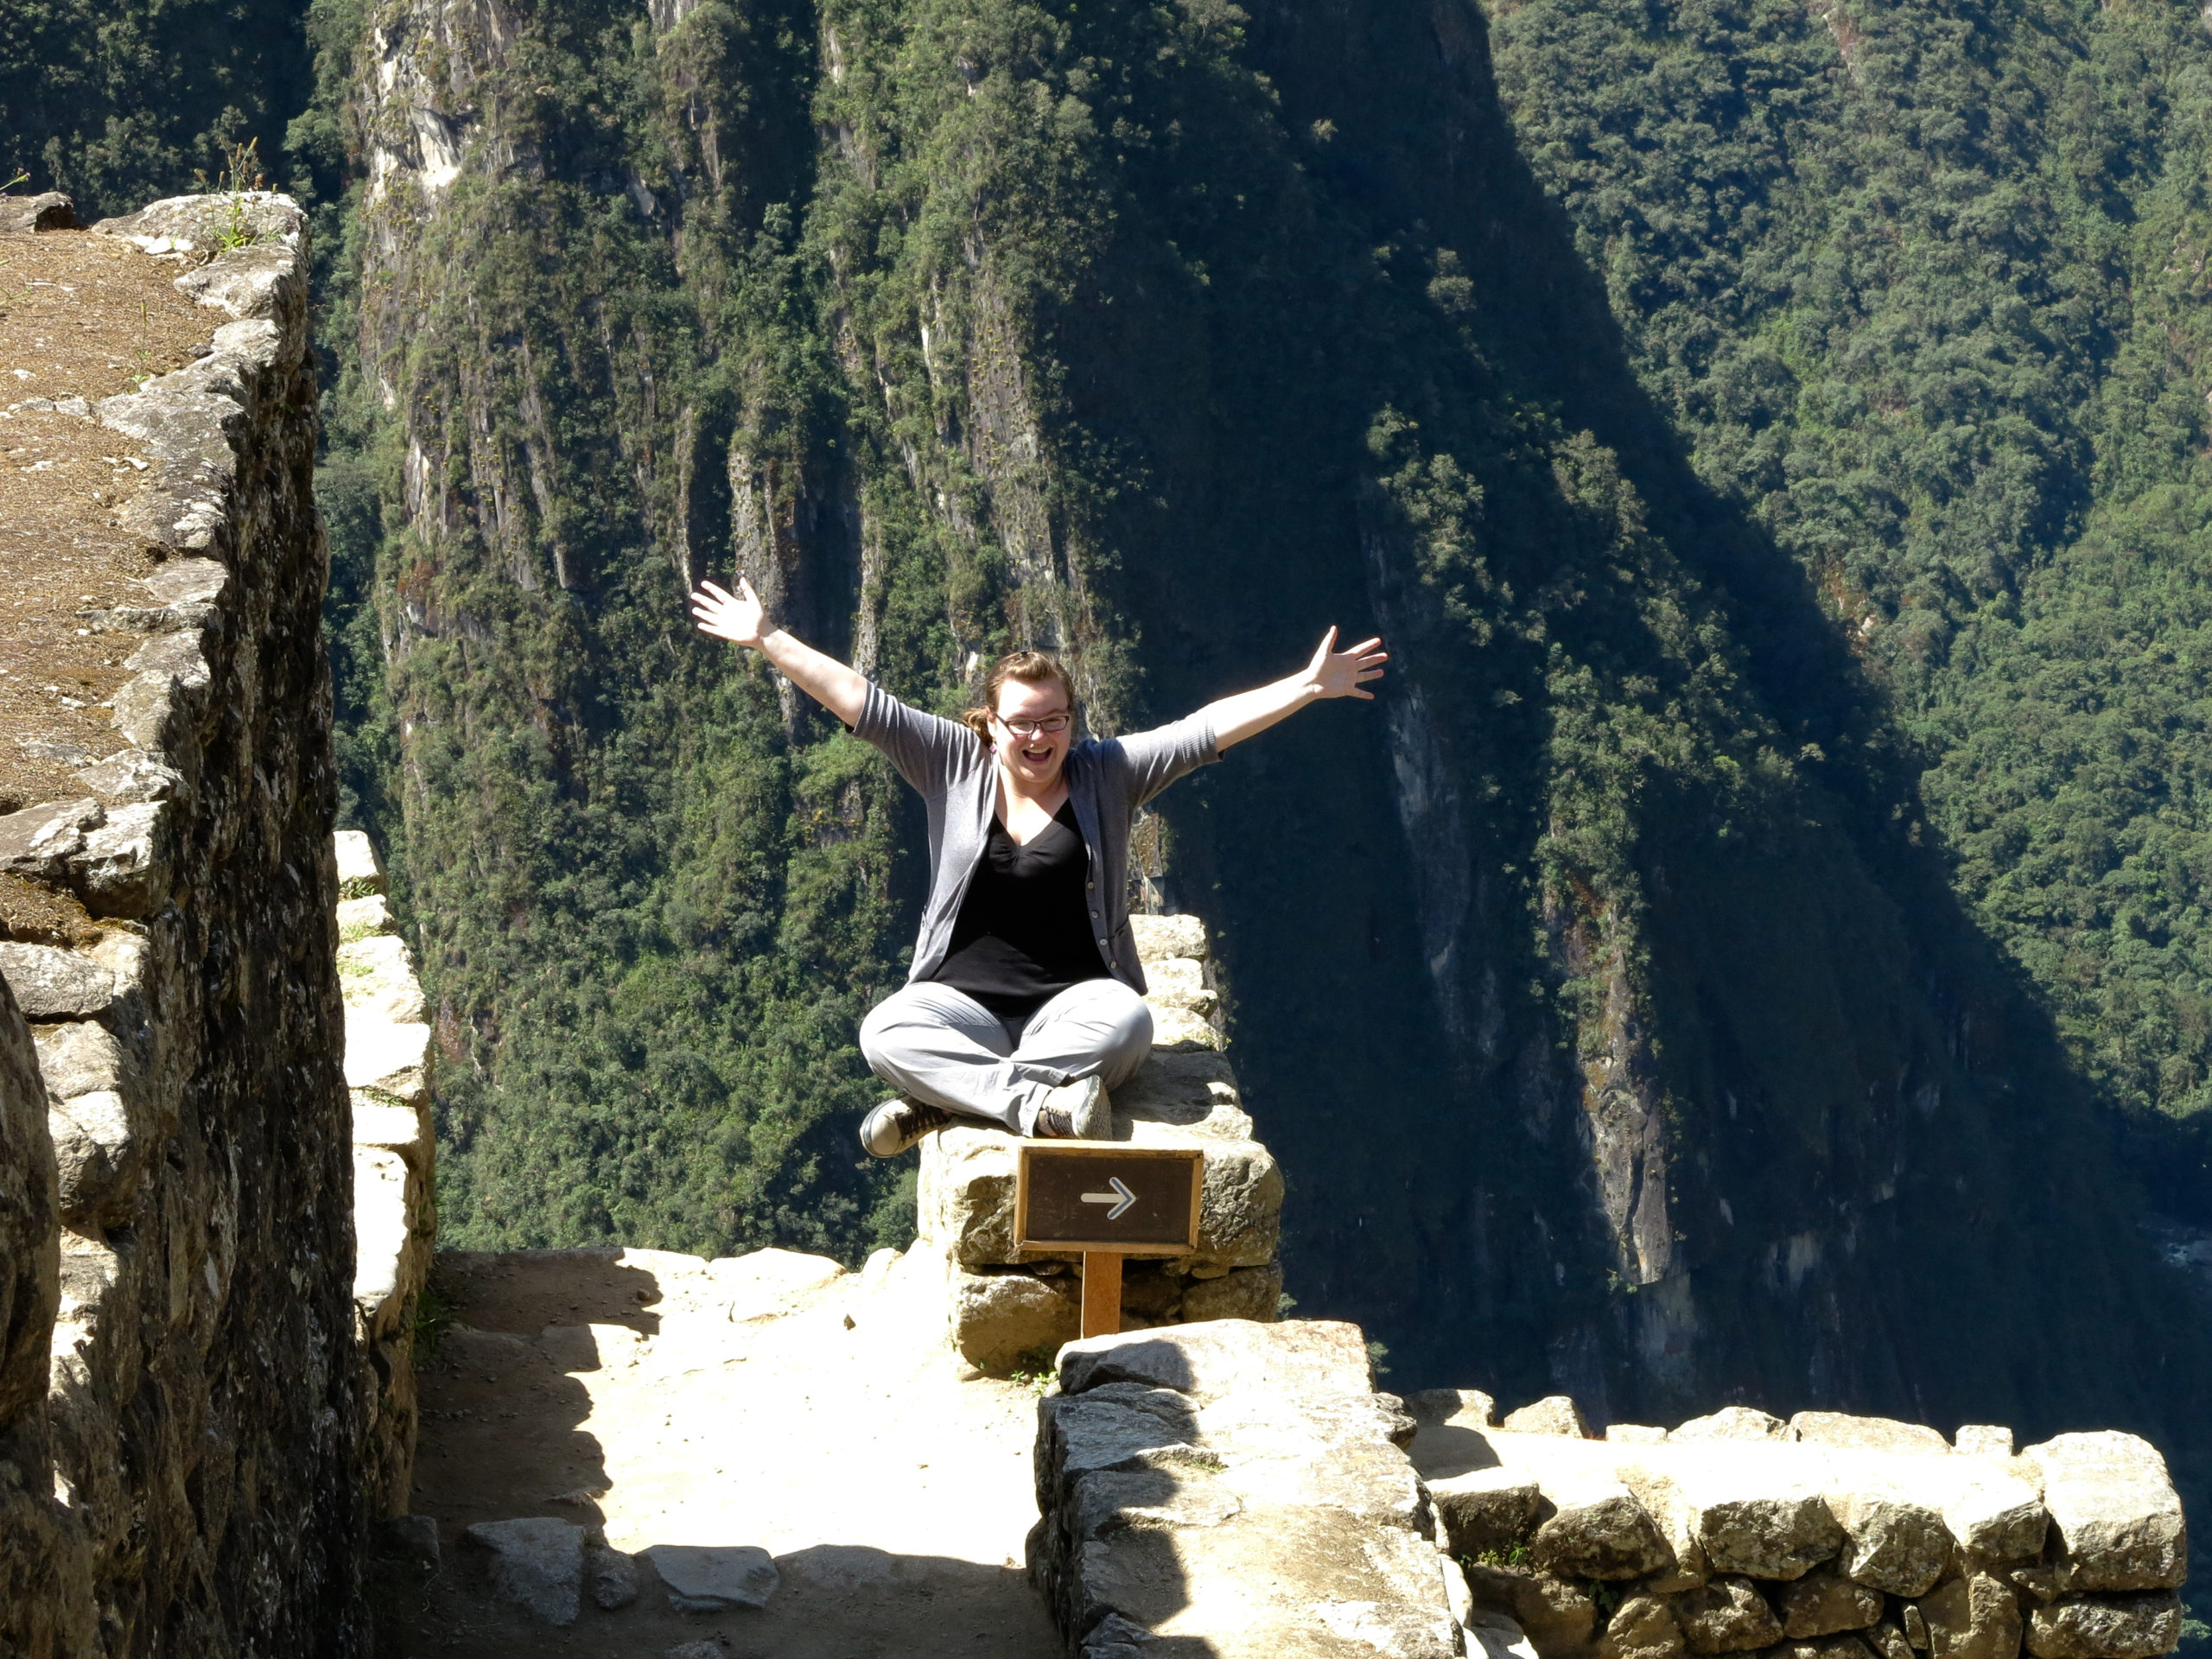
x: 32, y: 914
x: 84, y: 315
x: 88, y: 316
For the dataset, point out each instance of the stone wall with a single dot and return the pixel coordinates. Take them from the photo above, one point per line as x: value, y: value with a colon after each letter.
x: 180, y: 1391
x: 395, y: 1167
x: 1238, y: 1491
x: 1234, y: 1490
x: 1006, y: 1307
x: 1826, y: 1537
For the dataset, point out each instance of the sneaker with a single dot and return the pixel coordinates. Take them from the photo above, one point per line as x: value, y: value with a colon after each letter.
x: 1074, y: 1111
x: 893, y: 1127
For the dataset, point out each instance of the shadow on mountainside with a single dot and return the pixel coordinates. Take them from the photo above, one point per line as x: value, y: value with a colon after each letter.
x: 1845, y: 1055
x: 1878, y: 1184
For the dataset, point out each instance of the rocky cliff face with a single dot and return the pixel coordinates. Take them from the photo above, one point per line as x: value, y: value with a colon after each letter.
x: 567, y: 455
x: 181, y: 1398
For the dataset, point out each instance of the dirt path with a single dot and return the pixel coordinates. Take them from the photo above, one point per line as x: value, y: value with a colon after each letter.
x: 675, y: 1402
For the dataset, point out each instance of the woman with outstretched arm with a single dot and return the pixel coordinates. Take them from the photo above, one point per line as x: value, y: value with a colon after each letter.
x: 1024, y: 1004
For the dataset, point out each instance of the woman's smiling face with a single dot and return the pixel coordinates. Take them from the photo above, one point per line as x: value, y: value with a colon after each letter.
x: 1033, y: 758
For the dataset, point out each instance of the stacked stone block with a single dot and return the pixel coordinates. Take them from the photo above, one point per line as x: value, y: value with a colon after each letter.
x: 185, y: 1476
x: 45, y: 1603
x: 1239, y: 1490
x: 1006, y: 1307
x: 395, y: 1169
x: 1828, y: 1536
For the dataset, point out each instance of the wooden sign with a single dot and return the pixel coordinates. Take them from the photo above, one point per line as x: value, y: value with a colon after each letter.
x: 1108, y: 1200
x: 1105, y: 1196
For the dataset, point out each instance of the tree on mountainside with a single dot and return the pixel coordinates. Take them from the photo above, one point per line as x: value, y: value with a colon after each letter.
x: 120, y: 104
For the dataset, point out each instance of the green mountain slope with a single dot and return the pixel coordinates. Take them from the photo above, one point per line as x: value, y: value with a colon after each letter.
x: 1728, y: 961
x: 1915, y: 284
x: 120, y: 104
x: 650, y: 893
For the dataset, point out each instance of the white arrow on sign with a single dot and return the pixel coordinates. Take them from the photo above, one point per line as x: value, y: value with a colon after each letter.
x: 1121, y: 1198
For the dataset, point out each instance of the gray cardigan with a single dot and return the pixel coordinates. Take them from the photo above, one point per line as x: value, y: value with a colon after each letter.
x: 1108, y: 778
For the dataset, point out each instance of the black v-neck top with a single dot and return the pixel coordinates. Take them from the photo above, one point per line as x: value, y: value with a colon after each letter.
x: 1023, y: 934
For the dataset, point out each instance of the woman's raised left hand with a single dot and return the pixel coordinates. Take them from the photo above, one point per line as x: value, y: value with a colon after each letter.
x: 1334, y: 673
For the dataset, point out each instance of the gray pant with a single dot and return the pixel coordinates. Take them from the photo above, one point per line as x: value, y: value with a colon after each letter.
x: 937, y: 1045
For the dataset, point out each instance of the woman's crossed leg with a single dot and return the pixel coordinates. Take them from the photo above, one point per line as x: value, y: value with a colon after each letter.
x: 942, y: 1047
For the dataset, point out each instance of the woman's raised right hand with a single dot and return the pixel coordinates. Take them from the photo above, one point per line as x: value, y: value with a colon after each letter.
x: 737, y: 617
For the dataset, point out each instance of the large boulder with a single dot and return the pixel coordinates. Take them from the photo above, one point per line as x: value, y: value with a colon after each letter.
x: 1557, y: 1619
x: 1486, y: 1511
x: 536, y: 1564
x: 1642, y: 1627
x: 1728, y: 1615
x: 377, y: 973
x: 49, y: 211
x: 612, y: 1578
x: 97, y: 1160
x: 51, y: 984
x: 361, y: 871
x: 1733, y: 1423
x: 701, y: 1579
x: 1864, y: 1434
x: 998, y: 1318
x: 78, y: 1058
x: 124, y: 867
x: 1161, y: 938
x: 1240, y: 1294
x: 1975, y: 1617
x: 392, y: 1060
x: 1179, y: 983
x: 2107, y: 1627
x: 2118, y: 1519
x: 1750, y: 1514
x: 1824, y: 1602
x: 1469, y: 1406
x: 1994, y: 1514
x: 1555, y: 1414
x: 38, y: 842
x: 1893, y: 1541
x: 1597, y: 1529
x: 1324, y: 1357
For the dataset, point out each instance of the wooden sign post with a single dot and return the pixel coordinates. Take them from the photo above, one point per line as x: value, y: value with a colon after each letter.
x: 1107, y: 1200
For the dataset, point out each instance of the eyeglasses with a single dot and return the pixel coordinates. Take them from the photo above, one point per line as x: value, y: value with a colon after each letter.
x: 1050, y: 725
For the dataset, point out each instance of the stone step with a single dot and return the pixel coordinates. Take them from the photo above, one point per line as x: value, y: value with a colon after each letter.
x: 1237, y: 1490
